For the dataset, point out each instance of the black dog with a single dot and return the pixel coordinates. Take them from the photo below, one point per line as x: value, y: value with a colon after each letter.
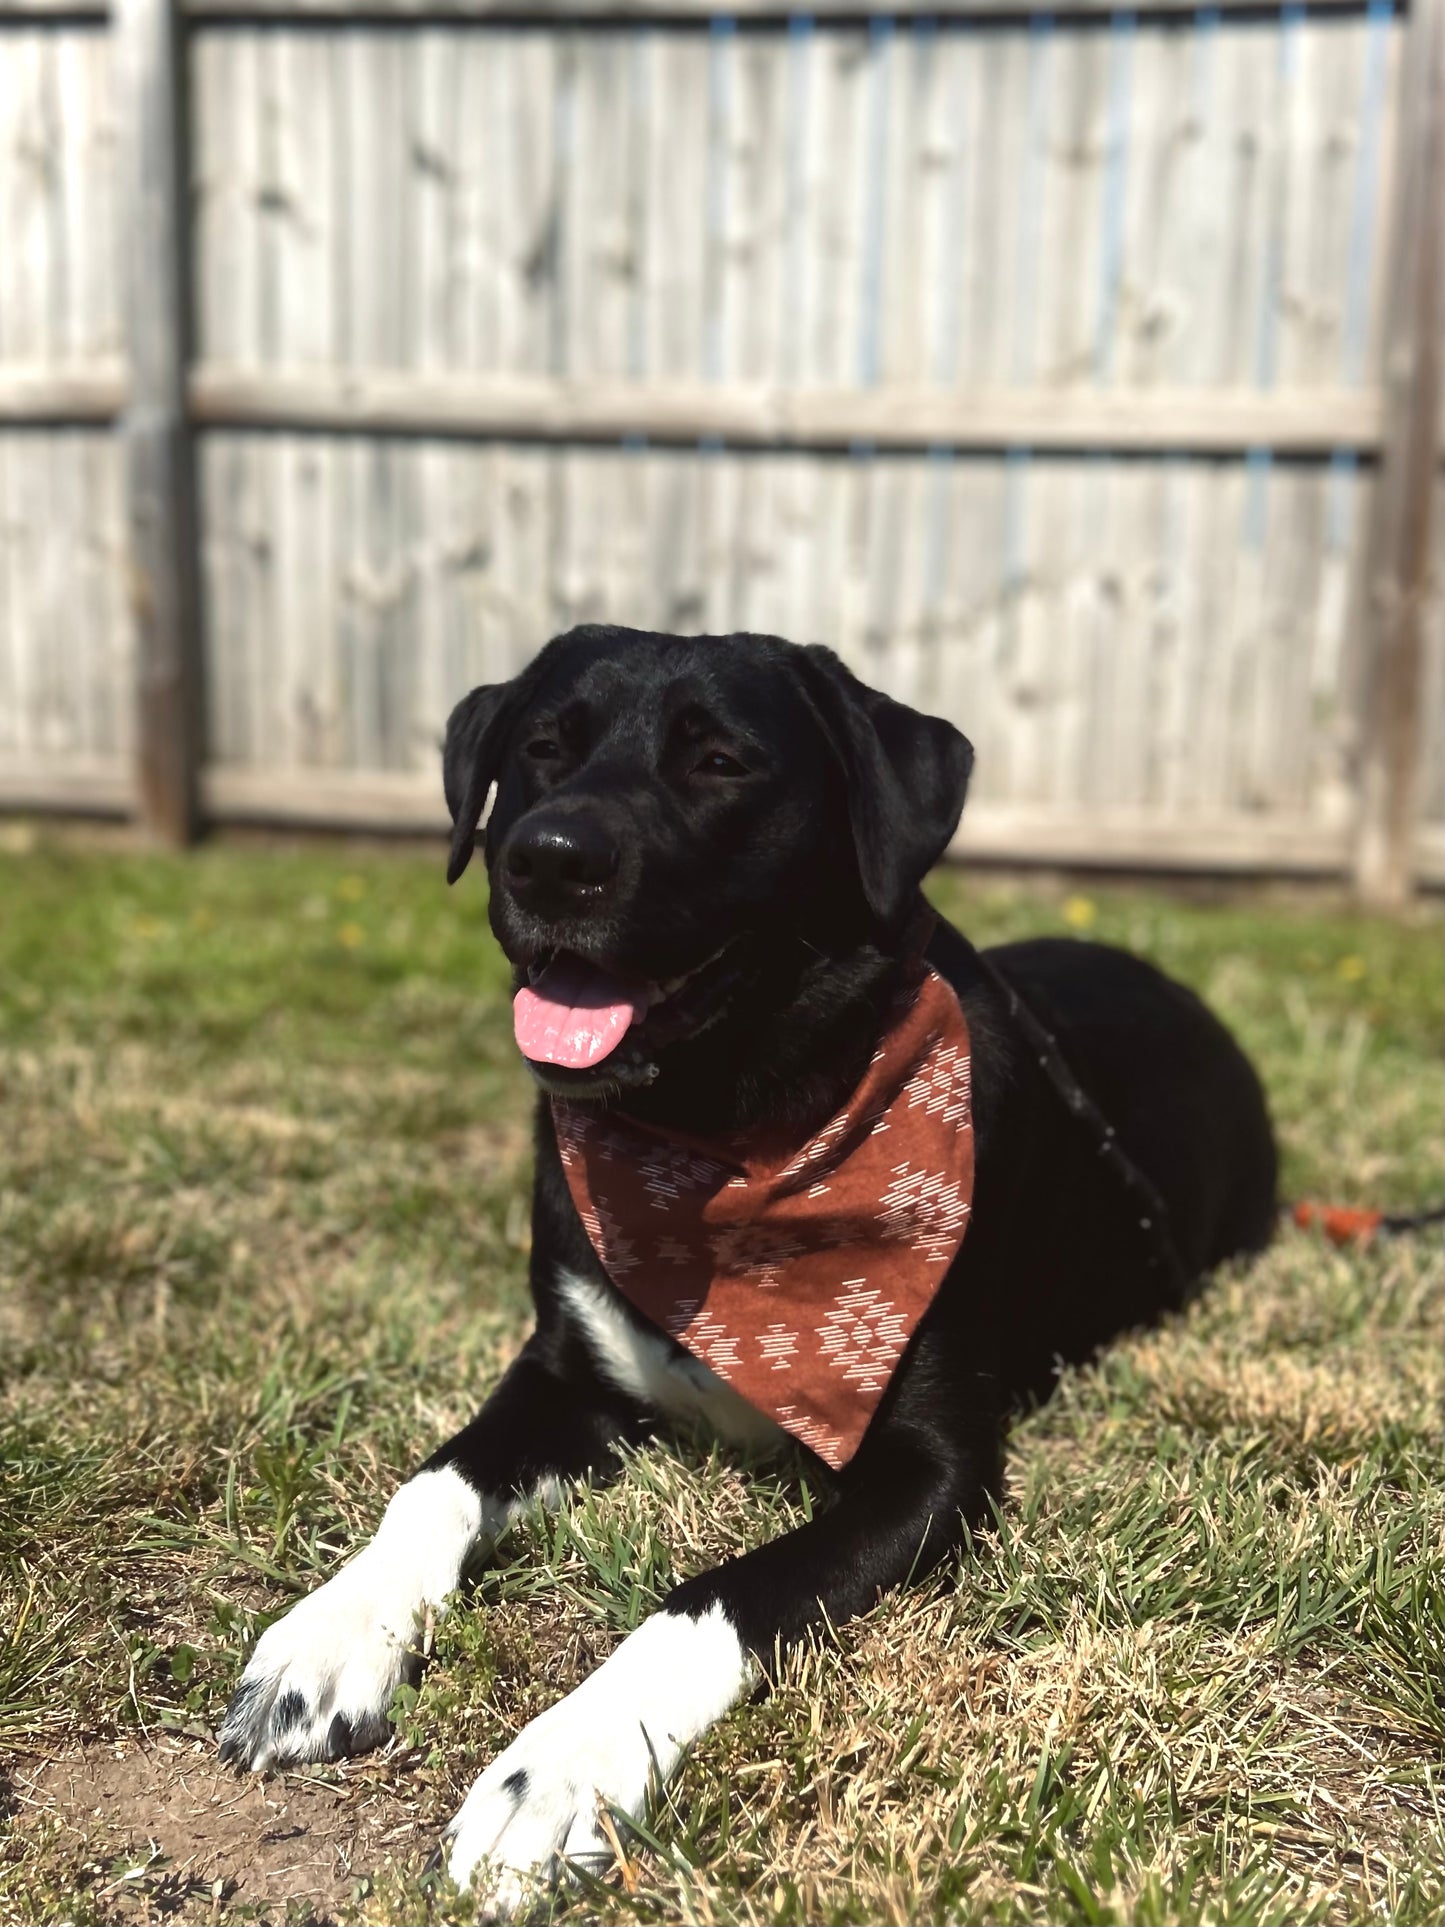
x: 735, y: 831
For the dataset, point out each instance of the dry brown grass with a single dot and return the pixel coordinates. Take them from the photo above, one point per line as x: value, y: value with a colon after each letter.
x: 261, y: 1243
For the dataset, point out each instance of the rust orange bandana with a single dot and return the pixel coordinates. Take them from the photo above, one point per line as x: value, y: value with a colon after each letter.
x: 798, y: 1275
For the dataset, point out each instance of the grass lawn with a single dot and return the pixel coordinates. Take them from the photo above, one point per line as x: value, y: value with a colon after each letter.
x: 263, y: 1150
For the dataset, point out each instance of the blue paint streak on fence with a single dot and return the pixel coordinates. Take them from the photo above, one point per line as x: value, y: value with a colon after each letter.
x: 563, y: 143
x: 1203, y: 68
x: 880, y: 36
x: 1026, y: 256
x: 1258, y: 463
x: 1100, y: 464
x: 935, y: 554
x: 1017, y: 463
x: 925, y: 61
x: 1266, y: 360
x: 1291, y: 20
x: 950, y: 284
x: 1174, y: 469
x: 639, y: 83
x: 1121, y: 31
x: 1204, y: 71
x: 719, y: 75
x: 1361, y: 257
x: 1340, y: 500
x: 795, y: 291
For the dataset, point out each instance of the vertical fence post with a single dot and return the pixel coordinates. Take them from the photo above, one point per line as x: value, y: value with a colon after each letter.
x: 162, y: 565
x: 1399, y: 578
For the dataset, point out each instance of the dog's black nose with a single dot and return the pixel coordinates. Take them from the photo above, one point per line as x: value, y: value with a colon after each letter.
x: 553, y: 864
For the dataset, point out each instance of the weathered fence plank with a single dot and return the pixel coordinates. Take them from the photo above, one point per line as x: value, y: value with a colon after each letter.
x: 60, y: 540
x: 161, y: 563
x: 1400, y: 560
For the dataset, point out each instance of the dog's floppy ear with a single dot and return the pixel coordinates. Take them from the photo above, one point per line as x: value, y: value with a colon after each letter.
x: 470, y: 755
x: 906, y: 775
x: 477, y: 731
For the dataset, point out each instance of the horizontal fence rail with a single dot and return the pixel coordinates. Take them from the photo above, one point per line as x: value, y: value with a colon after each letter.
x: 520, y: 408
x: 1065, y: 371
x: 746, y: 15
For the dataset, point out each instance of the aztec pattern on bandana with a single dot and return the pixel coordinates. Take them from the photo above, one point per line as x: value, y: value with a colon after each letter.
x: 798, y: 1278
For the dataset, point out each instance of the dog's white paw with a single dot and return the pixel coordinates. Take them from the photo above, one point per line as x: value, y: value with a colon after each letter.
x: 537, y: 1801
x: 540, y: 1801
x: 320, y: 1682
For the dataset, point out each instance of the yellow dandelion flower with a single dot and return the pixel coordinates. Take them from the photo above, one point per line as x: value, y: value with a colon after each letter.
x: 350, y: 934
x: 1080, y: 913
x: 351, y: 889
x: 1350, y: 969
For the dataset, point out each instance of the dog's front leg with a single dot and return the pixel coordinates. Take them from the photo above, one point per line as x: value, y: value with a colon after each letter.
x: 923, y: 1472
x: 320, y: 1681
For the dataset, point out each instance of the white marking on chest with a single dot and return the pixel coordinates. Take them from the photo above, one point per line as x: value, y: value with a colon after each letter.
x: 644, y: 1364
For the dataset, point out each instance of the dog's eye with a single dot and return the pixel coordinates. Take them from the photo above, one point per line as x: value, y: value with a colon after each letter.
x: 543, y: 750
x: 718, y: 763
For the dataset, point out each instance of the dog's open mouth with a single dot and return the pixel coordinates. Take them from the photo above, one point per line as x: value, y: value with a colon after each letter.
x: 573, y: 1013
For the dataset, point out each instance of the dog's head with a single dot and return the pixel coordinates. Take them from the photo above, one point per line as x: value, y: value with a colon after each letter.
x: 687, y: 831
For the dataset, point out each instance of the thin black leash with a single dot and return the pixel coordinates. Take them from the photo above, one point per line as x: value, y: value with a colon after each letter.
x: 1151, y: 1211
x: 1397, y: 1221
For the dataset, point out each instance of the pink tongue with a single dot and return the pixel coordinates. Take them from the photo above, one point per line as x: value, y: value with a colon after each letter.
x: 573, y: 1015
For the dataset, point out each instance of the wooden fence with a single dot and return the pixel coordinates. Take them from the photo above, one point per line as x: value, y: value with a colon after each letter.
x: 1076, y: 375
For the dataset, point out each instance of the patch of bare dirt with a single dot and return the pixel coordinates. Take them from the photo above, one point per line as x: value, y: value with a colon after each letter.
x: 163, y: 1831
